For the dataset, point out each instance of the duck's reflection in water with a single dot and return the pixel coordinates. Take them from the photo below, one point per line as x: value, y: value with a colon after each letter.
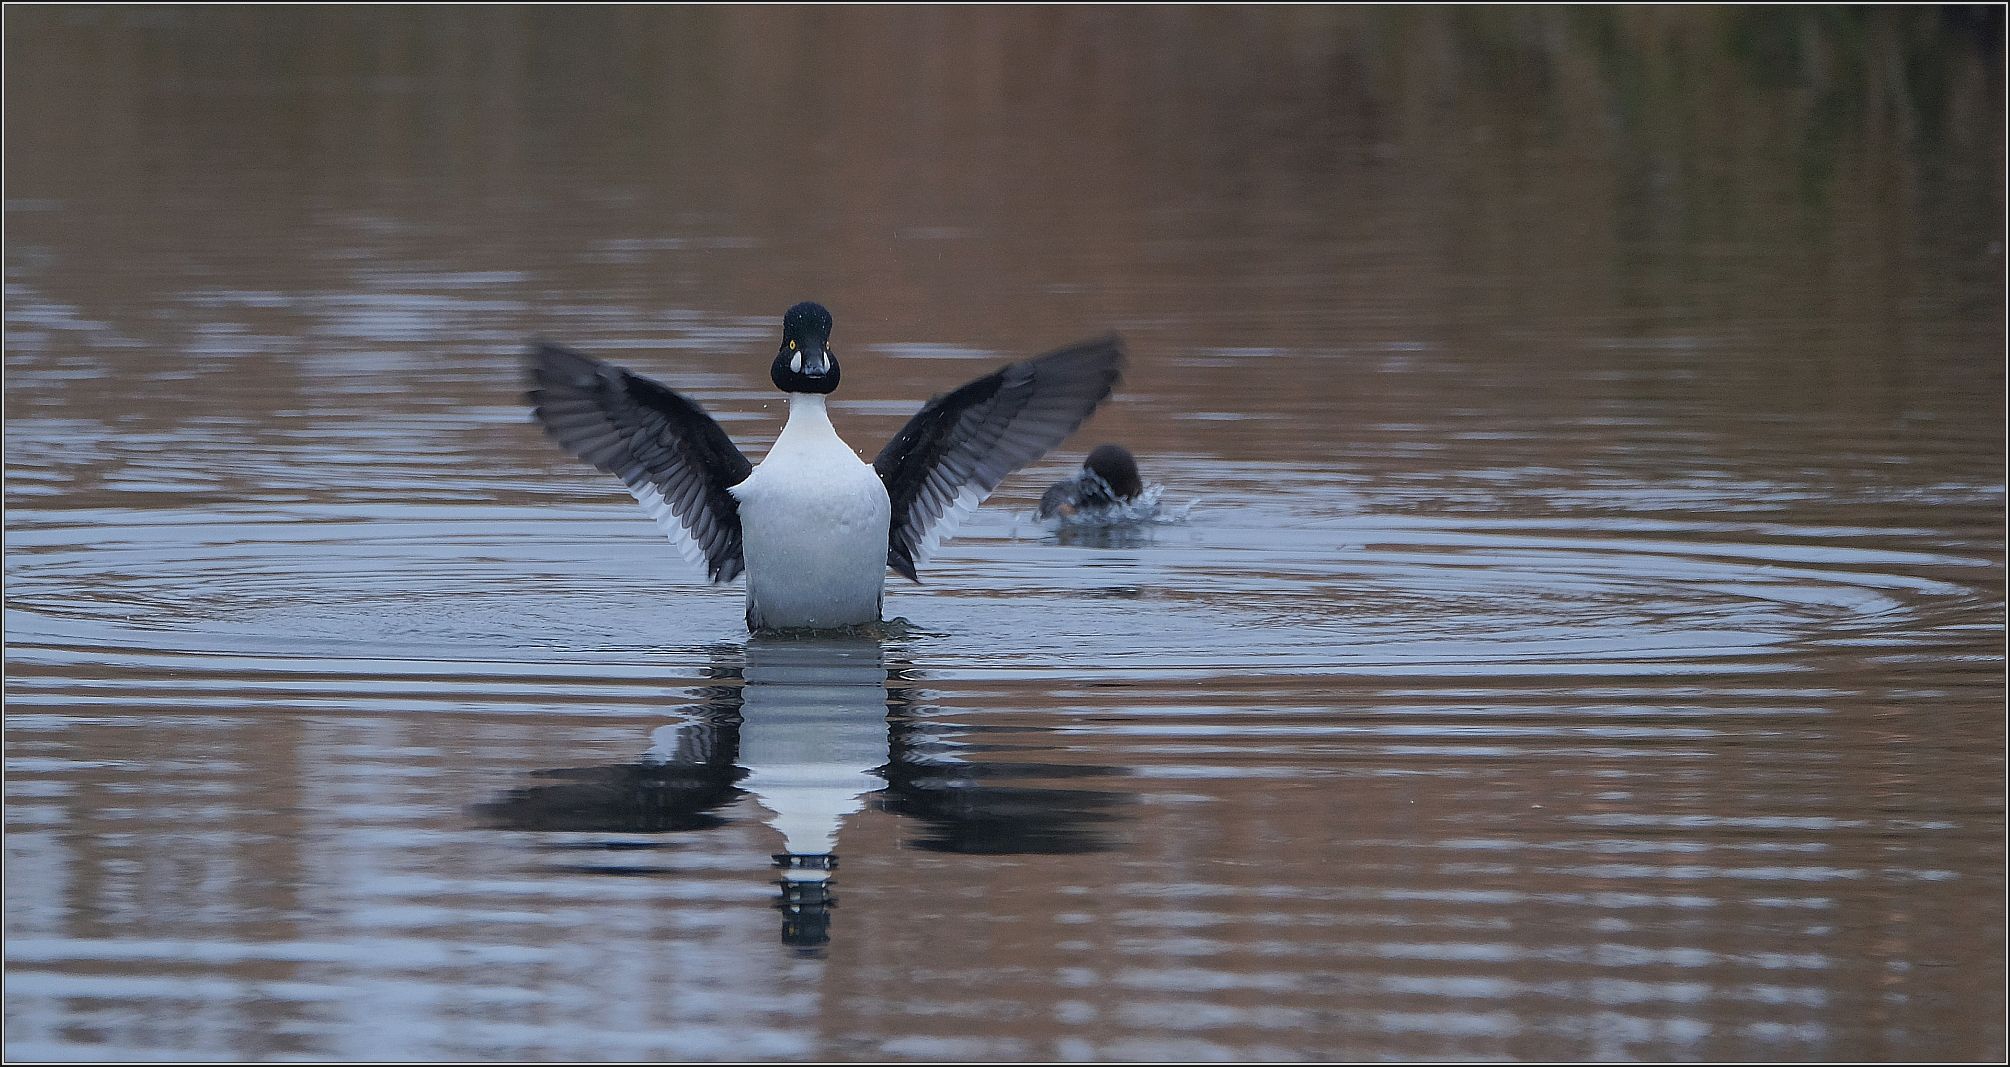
x: 817, y: 730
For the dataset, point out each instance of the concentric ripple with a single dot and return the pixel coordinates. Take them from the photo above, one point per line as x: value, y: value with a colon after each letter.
x: 1348, y: 594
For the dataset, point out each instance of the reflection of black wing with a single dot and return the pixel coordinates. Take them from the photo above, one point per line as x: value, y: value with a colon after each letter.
x: 960, y: 445
x: 974, y: 807
x: 632, y: 798
x: 672, y: 457
x: 663, y: 793
x: 985, y: 807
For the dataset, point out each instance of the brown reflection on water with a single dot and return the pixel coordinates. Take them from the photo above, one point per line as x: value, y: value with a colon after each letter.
x: 1516, y: 201
x: 1589, y: 644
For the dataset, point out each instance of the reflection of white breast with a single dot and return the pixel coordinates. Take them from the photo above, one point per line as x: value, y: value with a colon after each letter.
x: 813, y: 729
x: 813, y: 527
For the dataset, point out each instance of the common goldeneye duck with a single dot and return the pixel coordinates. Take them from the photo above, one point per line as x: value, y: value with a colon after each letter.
x: 1109, y: 479
x: 813, y: 527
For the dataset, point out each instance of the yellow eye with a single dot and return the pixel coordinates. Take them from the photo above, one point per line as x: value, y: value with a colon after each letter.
x: 792, y: 346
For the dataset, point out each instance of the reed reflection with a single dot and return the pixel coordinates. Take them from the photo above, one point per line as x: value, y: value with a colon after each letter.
x: 816, y: 731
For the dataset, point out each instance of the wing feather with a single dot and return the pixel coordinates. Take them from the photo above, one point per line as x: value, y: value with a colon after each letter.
x: 675, y: 460
x: 960, y: 445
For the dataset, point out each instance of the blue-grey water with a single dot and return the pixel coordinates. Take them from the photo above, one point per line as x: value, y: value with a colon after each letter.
x: 1586, y: 640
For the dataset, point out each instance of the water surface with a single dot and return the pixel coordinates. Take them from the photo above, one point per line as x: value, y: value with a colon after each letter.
x: 1586, y: 641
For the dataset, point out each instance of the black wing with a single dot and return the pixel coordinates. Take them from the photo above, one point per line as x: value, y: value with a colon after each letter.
x: 662, y: 446
x: 958, y: 447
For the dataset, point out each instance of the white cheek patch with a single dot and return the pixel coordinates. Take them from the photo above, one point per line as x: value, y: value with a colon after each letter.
x: 796, y: 362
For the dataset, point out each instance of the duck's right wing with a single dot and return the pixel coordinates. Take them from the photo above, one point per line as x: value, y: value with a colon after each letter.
x: 672, y: 457
x: 960, y: 445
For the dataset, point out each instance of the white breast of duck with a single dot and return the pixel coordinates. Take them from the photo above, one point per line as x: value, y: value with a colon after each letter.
x: 814, y: 523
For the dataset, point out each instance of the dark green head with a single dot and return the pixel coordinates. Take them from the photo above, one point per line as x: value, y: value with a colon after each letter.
x: 805, y: 363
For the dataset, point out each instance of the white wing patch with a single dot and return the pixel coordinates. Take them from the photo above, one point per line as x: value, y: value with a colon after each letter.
x: 944, y: 528
x: 658, y: 509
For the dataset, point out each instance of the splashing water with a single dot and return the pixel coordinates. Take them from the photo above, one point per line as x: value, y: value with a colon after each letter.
x: 1141, y: 510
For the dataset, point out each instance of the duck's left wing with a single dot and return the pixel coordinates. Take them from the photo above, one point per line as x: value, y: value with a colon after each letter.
x: 960, y: 445
x: 672, y: 457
